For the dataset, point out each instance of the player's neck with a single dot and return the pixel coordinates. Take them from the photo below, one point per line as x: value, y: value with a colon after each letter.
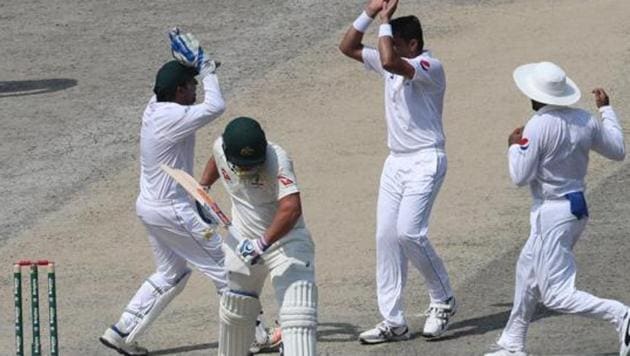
x: 537, y: 106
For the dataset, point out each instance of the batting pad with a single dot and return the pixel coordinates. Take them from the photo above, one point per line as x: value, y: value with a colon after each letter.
x: 298, y: 319
x: 237, y: 329
x: 159, y: 298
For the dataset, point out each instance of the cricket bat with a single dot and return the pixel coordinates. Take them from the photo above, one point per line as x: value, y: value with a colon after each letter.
x: 196, y: 191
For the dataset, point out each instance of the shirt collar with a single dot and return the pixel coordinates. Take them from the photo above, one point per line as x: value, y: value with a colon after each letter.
x: 548, y: 108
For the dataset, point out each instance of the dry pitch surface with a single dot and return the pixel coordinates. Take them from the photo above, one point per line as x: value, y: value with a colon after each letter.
x: 76, y: 76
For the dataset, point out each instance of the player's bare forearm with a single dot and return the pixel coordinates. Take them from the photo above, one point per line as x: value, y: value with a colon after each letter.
x: 288, y: 213
x: 391, y: 61
x: 351, y: 44
x: 210, y: 173
x: 387, y: 54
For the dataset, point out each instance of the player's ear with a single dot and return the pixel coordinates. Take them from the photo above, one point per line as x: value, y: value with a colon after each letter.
x: 414, y: 45
x: 180, y: 91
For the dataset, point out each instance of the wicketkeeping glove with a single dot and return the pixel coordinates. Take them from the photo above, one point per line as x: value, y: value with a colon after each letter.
x: 250, y: 250
x: 186, y: 50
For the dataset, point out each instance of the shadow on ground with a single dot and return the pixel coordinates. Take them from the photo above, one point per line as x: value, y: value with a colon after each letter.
x: 182, y: 349
x: 490, y: 322
x: 337, y: 332
x: 329, y: 332
x: 34, y: 87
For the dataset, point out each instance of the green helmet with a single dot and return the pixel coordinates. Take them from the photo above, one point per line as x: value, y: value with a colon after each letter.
x: 244, y: 142
x: 171, y: 75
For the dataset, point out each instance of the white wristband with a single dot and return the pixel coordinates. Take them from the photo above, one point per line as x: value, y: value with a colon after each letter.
x: 385, y: 30
x: 362, y: 22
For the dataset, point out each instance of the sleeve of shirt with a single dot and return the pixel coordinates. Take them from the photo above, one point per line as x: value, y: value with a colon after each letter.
x: 608, y: 136
x: 372, y: 60
x: 523, y: 157
x: 287, y: 183
x: 197, y: 116
x: 428, y: 71
x: 217, y: 148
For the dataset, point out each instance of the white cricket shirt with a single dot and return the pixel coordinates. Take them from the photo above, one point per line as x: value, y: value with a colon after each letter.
x: 167, y: 137
x: 553, y: 153
x: 255, y: 199
x: 413, y: 108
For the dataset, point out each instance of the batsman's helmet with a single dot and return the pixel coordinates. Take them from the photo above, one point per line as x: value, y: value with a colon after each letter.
x: 244, y: 142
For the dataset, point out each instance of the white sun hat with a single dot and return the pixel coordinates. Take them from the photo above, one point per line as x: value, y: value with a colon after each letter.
x: 546, y: 83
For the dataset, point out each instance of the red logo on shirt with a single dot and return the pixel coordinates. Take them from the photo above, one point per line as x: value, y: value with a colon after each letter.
x: 425, y: 65
x: 225, y: 175
x: 285, y: 181
x: 524, y: 143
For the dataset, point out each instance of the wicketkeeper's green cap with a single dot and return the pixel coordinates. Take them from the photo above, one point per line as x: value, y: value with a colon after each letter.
x: 244, y: 142
x: 171, y: 75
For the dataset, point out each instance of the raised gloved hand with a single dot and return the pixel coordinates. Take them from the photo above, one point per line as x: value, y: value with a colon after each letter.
x: 250, y: 250
x: 186, y: 50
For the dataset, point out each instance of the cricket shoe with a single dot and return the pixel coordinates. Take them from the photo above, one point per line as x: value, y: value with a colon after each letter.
x: 438, y: 317
x: 384, y: 333
x: 114, y: 340
x: 624, y: 336
x: 267, y: 340
x: 498, y: 350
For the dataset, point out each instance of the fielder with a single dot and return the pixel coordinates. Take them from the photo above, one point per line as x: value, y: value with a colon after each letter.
x: 176, y: 233
x: 551, y: 155
x: 413, y: 172
x: 267, y: 213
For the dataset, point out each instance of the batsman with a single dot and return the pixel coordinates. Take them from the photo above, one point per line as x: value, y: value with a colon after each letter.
x: 267, y: 215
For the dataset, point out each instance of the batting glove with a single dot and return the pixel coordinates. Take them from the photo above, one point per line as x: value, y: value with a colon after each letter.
x: 250, y: 250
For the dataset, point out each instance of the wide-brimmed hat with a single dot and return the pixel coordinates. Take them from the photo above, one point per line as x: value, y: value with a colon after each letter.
x: 546, y: 83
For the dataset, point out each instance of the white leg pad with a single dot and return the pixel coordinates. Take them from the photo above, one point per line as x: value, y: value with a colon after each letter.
x: 157, y: 298
x: 237, y: 329
x: 298, y: 319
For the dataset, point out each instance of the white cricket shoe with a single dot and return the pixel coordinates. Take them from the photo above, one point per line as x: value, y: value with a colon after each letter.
x: 498, y: 350
x: 115, y: 341
x: 384, y: 333
x: 438, y: 316
x: 267, y: 340
x: 624, y: 336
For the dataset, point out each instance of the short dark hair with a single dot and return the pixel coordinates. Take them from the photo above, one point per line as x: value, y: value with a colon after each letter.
x: 168, y: 94
x: 408, y: 28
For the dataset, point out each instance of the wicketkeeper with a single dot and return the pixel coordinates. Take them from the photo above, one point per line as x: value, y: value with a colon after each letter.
x: 267, y: 213
x: 177, y: 234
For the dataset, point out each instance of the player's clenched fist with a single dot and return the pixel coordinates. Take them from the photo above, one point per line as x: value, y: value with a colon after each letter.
x: 516, y: 136
x: 601, y: 98
x: 250, y: 250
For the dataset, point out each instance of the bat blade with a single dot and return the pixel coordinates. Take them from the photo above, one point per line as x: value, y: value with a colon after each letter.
x: 192, y: 187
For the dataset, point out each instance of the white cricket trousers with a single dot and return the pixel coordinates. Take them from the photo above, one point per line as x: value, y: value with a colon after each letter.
x: 545, y: 272
x: 176, y: 234
x: 409, y: 185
